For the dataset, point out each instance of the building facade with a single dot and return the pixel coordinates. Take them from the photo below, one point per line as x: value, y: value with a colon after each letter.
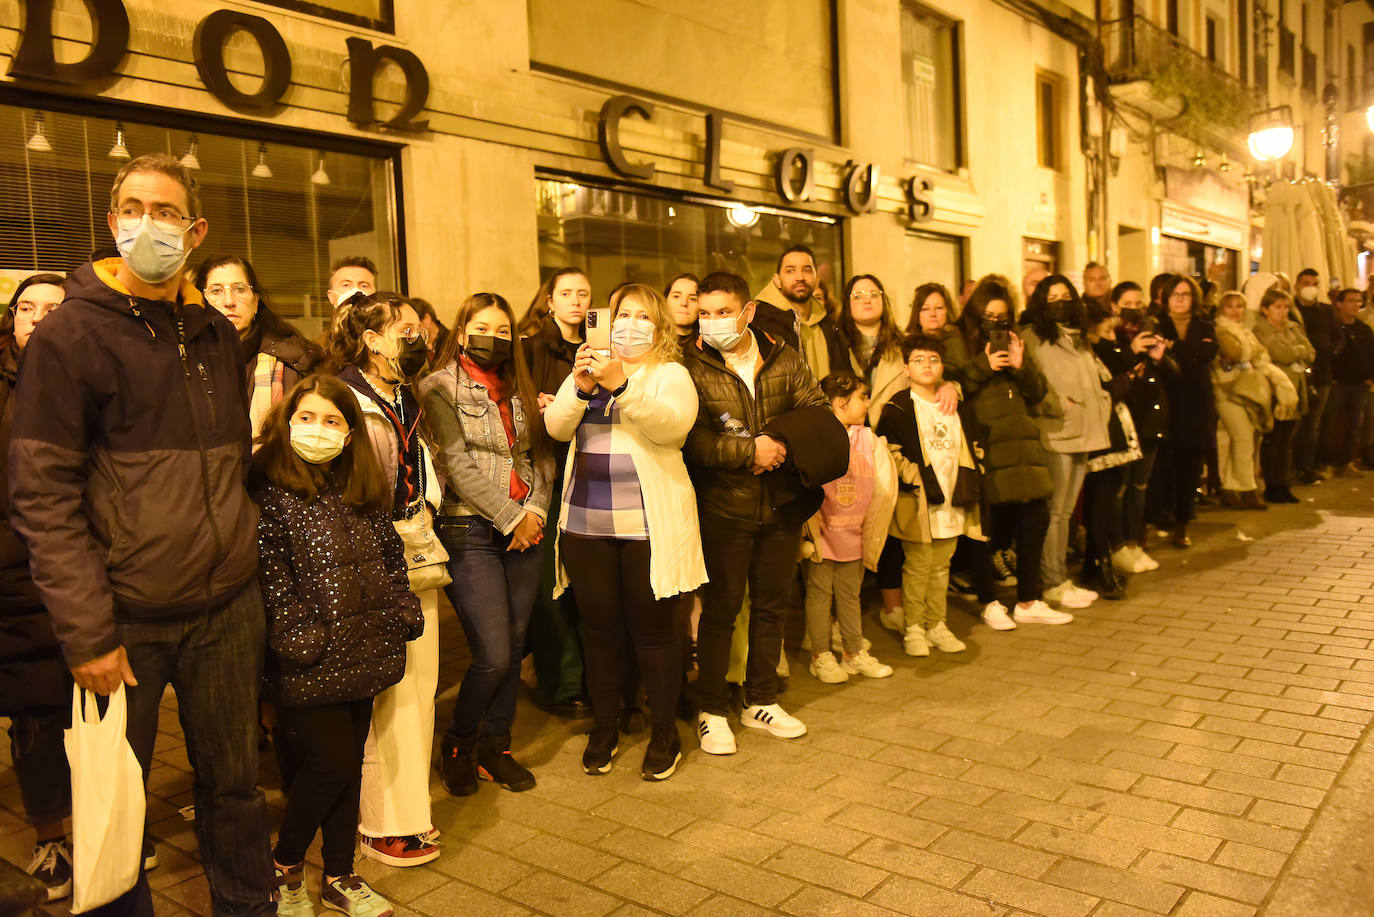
x: 473, y: 144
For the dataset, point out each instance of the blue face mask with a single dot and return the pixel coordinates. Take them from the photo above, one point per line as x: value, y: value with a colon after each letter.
x: 632, y: 337
x: 154, y: 252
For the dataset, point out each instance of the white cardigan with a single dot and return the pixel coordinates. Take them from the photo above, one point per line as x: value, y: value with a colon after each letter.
x: 660, y: 406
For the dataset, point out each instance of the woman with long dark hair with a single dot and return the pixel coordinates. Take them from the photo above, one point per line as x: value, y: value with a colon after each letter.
x: 873, y: 339
x: 482, y: 411
x: 276, y: 355
x: 1072, y: 418
x: 1192, y: 342
x: 379, y: 349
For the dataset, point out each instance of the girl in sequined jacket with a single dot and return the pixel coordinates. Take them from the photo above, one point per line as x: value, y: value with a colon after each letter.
x: 339, y: 614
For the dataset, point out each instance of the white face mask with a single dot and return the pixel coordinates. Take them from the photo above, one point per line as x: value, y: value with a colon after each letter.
x: 632, y: 336
x: 152, y: 251
x: 721, y: 333
x: 317, y: 444
x: 1308, y: 294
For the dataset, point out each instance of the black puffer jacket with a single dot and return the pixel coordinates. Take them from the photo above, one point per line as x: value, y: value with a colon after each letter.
x: 1015, y: 469
x: 1147, y: 397
x: 338, y: 601
x: 32, y: 674
x: 720, y: 462
x: 1192, y: 403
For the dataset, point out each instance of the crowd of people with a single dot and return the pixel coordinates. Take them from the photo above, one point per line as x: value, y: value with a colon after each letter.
x: 637, y: 498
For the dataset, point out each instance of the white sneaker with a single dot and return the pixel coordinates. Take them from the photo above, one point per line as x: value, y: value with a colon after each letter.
x: 893, y: 619
x: 1124, y: 560
x: 714, y: 732
x: 943, y: 640
x: 995, y: 616
x: 1083, y: 592
x: 914, y: 641
x: 837, y: 642
x: 1065, y: 594
x: 824, y: 668
x: 773, y: 718
x: 1144, y: 563
x: 863, y: 664
x: 1039, y: 613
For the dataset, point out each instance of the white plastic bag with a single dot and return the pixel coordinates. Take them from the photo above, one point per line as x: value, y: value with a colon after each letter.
x: 108, y: 804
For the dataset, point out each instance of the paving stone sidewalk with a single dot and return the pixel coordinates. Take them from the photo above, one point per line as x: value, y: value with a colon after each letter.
x: 1194, y: 750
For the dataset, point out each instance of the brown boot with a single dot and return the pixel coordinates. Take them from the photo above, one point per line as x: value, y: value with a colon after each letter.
x: 1230, y: 499
x: 1253, y: 500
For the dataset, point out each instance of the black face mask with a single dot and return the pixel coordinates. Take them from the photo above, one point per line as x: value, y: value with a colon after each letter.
x: 411, y: 356
x: 995, y: 324
x: 487, y: 350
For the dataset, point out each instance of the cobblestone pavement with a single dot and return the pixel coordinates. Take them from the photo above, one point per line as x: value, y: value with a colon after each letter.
x: 1198, y: 749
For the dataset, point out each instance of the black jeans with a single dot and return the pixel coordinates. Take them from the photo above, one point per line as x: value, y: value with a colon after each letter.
x: 890, y: 564
x: 40, y: 764
x: 1137, y: 486
x: 214, y: 662
x: 1025, y: 525
x: 1103, y: 514
x: 321, y: 753
x: 1308, y: 437
x: 493, y: 592
x: 623, y: 622
x: 762, y: 557
x: 1276, y: 453
x: 1340, y: 430
x: 1182, y: 472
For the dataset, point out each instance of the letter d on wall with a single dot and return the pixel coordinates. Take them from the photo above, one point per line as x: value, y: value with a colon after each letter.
x: 34, y: 59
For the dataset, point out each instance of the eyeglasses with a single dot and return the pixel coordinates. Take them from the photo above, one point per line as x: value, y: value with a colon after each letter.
x: 865, y: 296
x: 34, y: 310
x: 162, y: 217
x: 926, y: 360
x: 219, y: 293
x: 412, y: 334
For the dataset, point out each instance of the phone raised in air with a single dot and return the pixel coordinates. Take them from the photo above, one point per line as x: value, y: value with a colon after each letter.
x: 599, y: 330
x: 999, y: 340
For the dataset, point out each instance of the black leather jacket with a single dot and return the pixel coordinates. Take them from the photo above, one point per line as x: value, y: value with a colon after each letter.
x: 719, y: 462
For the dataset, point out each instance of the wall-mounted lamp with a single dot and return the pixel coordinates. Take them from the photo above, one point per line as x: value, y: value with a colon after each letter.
x: 1271, y: 133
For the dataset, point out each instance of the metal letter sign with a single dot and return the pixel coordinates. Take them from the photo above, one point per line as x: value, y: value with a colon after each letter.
x: 793, y: 188
x: 920, y: 209
x: 208, y: 45
x: 608, y: 131
x: 34, y: 58
x: 861, y: 187
x: 363, y: 61
x: 715, y: 122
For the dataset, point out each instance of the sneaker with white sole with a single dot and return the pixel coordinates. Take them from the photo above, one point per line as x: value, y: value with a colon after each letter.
x: 1065, y: 594
x: 52, y: 865
x: 1144, y: 563
x: 944, y: 640
x: 1004, y: 572
x: 995, y: 616
x: 825, y: 669
x: 408, y: 850
x: 861, y: 663
x: 914, y: 641
x: 837, y: 641
x: 1084, y: 592
x: 893, y: 619
x: 290, y: 894
x: 715, y: 735
x: 352, y: 895
x: 1124, y: 560
x: 773, y: 718
x: 1039, y: 613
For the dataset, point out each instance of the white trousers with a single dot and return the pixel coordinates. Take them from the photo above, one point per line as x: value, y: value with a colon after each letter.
x: 396, y: 762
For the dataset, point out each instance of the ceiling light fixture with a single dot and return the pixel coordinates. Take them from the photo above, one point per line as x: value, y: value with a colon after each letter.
x: 192, y: 160
x: 119, y: 150
x: 261, y: 170
x: 38, y: 141
x: 321, y: 177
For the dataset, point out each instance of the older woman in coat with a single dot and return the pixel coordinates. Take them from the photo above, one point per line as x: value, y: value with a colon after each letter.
x: 1292, y: 353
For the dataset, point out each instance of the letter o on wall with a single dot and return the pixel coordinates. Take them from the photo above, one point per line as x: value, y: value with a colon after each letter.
x: 212, y: 33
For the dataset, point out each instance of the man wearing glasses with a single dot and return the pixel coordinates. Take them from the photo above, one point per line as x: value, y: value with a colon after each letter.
x: 127, y: 465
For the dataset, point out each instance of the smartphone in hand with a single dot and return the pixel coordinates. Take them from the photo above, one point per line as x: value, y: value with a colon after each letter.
x: 999, y: 340
x: 599, y: 330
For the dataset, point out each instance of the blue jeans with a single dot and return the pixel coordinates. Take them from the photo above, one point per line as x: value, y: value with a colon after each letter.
x: 214, y: 663
x: 493, y: 592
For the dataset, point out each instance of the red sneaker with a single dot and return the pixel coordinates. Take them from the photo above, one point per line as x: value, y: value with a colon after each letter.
x: 411, y: 850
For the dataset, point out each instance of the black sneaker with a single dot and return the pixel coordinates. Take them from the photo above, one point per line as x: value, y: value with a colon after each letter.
x: 633, y: 721
x: 603, y: 744
x: 52, y: 865
x: 455, y: 766
x: 663, y: 754
x: 1003, y: 571
x: 495, y: 763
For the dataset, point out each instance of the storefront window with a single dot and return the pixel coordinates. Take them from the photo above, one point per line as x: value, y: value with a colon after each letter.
x: 931, y: 107
x: 288, y: 210
x: 929, y: 258
x: 622, y: 235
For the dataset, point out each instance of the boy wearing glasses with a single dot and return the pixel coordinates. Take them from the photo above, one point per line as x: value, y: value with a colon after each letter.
x: 937, y: 496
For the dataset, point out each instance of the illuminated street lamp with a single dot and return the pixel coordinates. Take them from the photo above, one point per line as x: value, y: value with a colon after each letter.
x: 1369, y: 117
x: 1271, y: 133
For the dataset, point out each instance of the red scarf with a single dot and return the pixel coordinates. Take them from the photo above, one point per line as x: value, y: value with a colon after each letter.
x: 496, y: 390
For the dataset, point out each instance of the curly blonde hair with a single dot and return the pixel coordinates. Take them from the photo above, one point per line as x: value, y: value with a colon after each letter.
x: 665, y: 348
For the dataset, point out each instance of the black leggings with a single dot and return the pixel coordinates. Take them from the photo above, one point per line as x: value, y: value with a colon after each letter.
x: 1276, y: 453
x: 1102, y: 509
x: 1023, y: 524
x: 321, y: 754
x: 620, y: 619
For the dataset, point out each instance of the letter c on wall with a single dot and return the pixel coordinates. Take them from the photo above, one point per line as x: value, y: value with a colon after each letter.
x: 608, y: 131
x: 214, y: 30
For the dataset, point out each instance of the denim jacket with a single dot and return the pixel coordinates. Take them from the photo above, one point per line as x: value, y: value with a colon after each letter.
x: 474, y: 455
